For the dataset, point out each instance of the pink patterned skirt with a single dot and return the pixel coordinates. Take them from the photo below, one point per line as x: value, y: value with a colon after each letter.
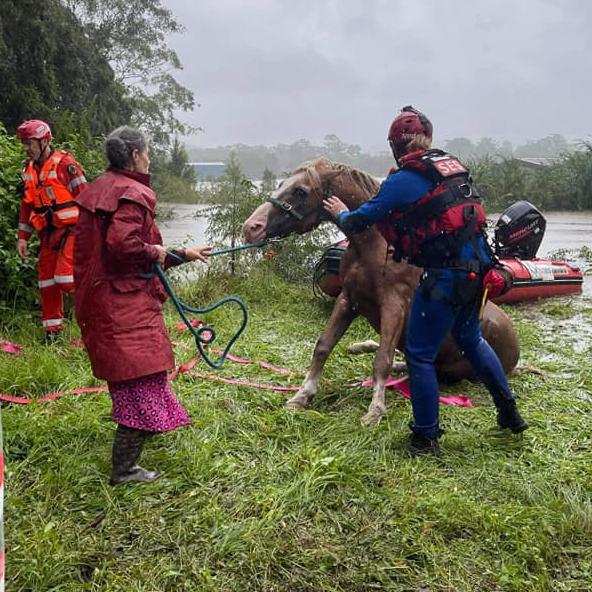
x: 147, y: 403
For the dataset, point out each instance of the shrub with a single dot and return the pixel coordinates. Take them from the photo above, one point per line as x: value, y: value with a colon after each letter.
x: 564, y: 185
x: 17, y: 277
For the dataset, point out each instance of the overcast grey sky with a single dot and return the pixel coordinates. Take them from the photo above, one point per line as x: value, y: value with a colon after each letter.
x: 275, y: 71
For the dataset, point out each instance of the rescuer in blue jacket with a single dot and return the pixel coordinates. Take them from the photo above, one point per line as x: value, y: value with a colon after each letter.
x: 430, y: 213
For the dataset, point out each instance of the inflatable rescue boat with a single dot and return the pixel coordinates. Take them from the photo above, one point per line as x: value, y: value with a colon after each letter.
x: 518, y: 235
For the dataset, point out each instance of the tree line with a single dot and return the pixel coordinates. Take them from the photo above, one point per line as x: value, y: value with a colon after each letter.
x: 563, y: 183
x: 286, y: 157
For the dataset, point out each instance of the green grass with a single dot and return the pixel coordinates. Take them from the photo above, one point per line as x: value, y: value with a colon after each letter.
x: 255, y: 498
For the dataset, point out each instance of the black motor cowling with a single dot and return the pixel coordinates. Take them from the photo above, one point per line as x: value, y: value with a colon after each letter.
x: 326, y: 274
x: 519, y: 231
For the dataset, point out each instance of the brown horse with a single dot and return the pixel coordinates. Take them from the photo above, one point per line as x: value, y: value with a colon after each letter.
x: 373, y: 284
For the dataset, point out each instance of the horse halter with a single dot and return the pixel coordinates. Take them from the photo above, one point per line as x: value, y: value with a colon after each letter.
x: 288, y: 208
x: 290, y: 212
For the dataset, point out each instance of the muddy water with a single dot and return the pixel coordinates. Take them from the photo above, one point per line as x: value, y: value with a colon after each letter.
x: 185, y: 227
x: 565, y: 230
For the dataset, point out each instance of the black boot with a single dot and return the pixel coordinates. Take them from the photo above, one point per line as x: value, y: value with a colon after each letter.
x: 127, y: 447
x: 509, y: 417
x: 421, y: 444
x: 51, y: 337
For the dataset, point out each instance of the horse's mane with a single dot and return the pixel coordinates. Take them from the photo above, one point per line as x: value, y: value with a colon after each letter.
x: 366, y: 182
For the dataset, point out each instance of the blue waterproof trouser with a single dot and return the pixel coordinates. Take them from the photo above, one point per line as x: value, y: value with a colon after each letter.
x: 434, y: 314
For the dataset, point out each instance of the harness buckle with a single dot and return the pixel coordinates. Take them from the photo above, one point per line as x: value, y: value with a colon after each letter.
x: 466, y: 189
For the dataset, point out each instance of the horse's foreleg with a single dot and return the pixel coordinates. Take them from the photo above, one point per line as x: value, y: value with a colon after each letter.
x: 391, y: 325
x: 339, y: 321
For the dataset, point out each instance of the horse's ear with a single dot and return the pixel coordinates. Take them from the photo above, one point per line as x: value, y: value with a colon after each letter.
x: 331, y: 175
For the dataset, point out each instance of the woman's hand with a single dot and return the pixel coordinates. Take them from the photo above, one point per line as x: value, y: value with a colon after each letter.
x: 200, y: 253
x: 162, y: 253
x: 334, y: 206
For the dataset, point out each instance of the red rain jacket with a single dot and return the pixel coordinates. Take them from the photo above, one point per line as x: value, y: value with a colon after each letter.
x: 119, y: 313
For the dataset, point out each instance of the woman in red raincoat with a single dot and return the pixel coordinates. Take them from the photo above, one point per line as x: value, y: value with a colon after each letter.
x: 118, y: 308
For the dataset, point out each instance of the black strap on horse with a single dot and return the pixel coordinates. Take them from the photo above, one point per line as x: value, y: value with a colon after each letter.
x: 287, y: 208
x: 290, y: 211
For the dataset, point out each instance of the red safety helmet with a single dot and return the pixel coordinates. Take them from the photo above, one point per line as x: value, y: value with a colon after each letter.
x: 34, y: 129
x: 406, y: 126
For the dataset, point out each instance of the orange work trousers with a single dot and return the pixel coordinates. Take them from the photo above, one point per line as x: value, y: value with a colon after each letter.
x: 56, y: 276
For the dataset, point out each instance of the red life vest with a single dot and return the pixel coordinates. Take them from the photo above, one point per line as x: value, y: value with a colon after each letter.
x: 53, y: 203
x: 432, y: 231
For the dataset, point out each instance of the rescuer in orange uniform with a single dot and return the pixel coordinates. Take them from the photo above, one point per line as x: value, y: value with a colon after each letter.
x: 51, y: 181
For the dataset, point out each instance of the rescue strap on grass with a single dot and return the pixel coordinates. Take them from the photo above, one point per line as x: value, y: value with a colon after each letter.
x: 403, y: 386
x: 182, y: 369
x: 400, y: 384
x: 2, y: 563
x: 10, y: 348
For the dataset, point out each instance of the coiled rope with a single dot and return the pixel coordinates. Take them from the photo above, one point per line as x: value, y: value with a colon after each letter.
x: 205, y: 334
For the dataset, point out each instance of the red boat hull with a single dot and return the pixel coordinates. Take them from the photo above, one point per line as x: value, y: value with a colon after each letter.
x: 540, y: 278
x: 533, y: 278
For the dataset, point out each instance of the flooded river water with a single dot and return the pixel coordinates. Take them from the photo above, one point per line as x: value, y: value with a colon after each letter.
x: 565, y: 230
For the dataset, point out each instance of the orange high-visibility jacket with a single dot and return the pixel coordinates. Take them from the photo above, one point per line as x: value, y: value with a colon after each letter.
x: 52, y: 202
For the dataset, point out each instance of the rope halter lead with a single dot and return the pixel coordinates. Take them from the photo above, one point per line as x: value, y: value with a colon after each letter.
x: 205, y: 334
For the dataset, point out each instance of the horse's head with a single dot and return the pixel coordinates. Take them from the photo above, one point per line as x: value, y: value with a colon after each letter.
x: 296, y: 206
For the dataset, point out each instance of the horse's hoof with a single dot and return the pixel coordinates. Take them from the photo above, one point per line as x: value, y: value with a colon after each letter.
x: 296, y: 404
x: 399, y: 367
x: 372, y: 418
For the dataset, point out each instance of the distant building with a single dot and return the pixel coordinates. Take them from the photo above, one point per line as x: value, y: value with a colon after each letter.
x: 535, y: 163
x: 208, y: 170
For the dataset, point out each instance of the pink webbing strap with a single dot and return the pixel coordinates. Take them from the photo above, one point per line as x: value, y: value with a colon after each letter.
x: 10, y: 348
x: 1, y: 510
x: 402, y: 385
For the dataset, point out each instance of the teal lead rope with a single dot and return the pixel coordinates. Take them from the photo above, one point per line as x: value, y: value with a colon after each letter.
x: 205, y: 334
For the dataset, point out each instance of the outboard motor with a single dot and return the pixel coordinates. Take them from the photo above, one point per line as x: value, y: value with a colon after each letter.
x: 519, y: 231
x: 326, y: 274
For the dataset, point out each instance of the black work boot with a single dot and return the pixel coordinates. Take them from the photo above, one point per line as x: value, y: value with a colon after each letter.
x: 127, y: 447
x: 509, y: 417
x: 421, y: 444
x: 51, y: 337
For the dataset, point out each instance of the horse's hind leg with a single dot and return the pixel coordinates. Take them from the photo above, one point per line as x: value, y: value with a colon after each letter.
x: 391, y: 324
x: 370, y: 346
x: 363, y: 347
x: 339, y: 321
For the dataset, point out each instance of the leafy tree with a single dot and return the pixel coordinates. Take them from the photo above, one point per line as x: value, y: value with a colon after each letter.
x: 268, y: 181
x: 506, y: 150
x: 178, y: 162
x: 174, y: 179
x: 486, y: 147
x: 131, y: 36
x: 50, y: 70
x: 461, y: 147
